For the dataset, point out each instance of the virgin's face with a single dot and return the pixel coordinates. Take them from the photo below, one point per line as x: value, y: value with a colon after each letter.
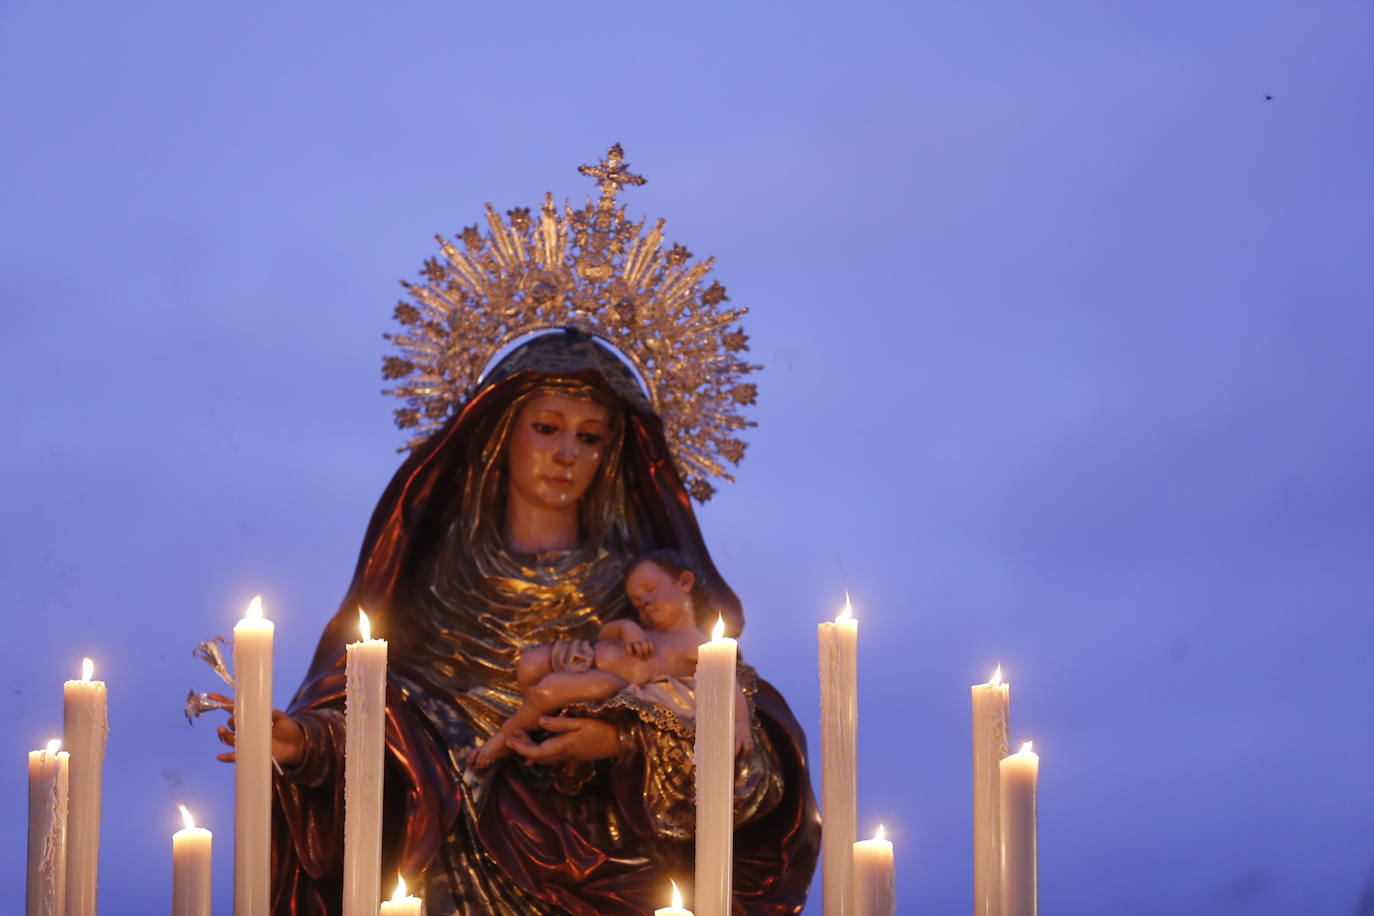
x: 555, y: 449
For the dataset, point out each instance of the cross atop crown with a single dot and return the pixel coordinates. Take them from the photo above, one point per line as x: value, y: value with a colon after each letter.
x: 611, y: 175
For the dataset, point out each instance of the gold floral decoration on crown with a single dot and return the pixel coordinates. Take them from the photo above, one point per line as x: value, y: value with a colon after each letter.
x: 596, y: 271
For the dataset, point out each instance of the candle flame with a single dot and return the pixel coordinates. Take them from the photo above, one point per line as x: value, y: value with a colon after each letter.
x: 400, y: 889
x: 54, y: 745
x: 718, y: 631
x: 254, y: 608
x: 881, y: 834
x: 848, y: 612
x: 996, y: 677
x: 364, y: 625
x: 186, y: 817
x: 87, y: 669
x: 677, y: 896
x: 1025, y: 748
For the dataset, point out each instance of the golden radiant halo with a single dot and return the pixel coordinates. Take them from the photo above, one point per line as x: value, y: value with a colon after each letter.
x: 593, y: 270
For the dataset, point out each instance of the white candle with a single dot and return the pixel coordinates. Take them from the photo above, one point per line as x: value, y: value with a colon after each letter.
x: 47, y: 882
x: 714, y: 758
x: 874, y: 877
x: 190, y: 868
x: 677, y: 909
x: 839, y: 660
x: 991, y: 710
x: 1019, y: 774
x: 400, y: 904
x: 364, y: 745
x: 253, y: 766
x: 85, y: 729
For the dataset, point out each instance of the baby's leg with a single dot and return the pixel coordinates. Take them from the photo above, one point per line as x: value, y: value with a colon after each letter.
x: 557, y: 690
x: 533, y: 665
x: 612, y: 656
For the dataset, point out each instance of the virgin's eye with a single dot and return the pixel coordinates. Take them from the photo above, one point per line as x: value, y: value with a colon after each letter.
x: 590, y: 438
x: 544, y: 429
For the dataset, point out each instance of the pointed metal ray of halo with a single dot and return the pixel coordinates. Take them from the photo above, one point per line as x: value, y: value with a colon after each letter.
x: 594, y: 270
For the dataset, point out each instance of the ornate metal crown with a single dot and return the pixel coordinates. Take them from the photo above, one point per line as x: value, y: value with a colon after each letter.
x: 590, y: 269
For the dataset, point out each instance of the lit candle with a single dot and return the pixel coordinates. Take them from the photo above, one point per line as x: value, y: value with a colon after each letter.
x: 190, y: 868
x: 400, y: 904
x: 85, y: 728
x: 839, y: 660
x: 364, y: 744
x: 1019, y: 774
x: 991, y: 709
x: 714, y: 758
x: 874, y: 877
x: 677, y: 909
x: 47, y: 887
x: 253, y: 762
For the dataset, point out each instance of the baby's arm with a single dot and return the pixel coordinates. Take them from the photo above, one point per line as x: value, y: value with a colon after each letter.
x: 631, y: 634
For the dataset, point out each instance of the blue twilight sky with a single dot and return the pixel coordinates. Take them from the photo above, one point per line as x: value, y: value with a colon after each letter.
x: 1068, y: 336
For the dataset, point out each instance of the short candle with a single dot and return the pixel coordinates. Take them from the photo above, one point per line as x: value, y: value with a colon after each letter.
x: 874, y: 877
x: 191, y: 860
x: 677, y: 908
x: 1019, y: 774
x: 47, y: 879
x: 401, y: 903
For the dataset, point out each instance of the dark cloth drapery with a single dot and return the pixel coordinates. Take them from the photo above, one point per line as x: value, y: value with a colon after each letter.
x: 457, y: 608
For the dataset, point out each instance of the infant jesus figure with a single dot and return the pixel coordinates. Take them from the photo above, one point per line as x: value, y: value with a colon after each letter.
x: 659, y: 650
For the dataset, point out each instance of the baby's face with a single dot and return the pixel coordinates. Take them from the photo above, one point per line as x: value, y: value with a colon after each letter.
x: 660, y: 599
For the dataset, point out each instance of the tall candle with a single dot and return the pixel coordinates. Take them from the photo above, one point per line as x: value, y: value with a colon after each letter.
x: 401, y: 903
x: 991, y: 711
x: 874, y: 877
x: 364, y: 744
x: 190, y: 868
x: 839, y: 661
x: 714, y: 758
x: 253, y: 766
x: 47, y: 879
x: 677, y: 909
x: 85, y: 728
x: 1019, y: 774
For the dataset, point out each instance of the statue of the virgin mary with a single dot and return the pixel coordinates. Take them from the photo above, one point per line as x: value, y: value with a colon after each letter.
x: 528, y: 488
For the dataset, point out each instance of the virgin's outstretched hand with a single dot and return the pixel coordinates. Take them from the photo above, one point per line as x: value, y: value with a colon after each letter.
x: 288, y: 740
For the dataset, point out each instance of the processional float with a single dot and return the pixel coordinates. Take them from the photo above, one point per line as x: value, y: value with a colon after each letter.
x: 594, y: 271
